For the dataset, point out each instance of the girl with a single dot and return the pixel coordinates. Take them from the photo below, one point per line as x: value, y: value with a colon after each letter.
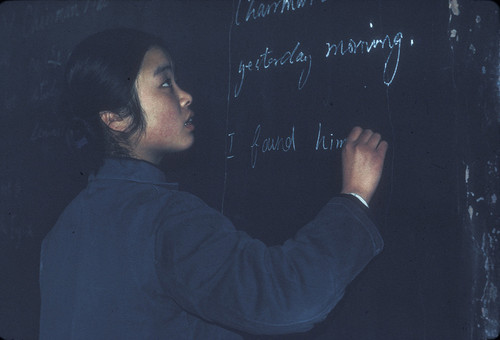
x: 134, y: 258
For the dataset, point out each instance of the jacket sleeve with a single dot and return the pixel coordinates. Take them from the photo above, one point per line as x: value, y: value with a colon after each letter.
x: 226, y: 277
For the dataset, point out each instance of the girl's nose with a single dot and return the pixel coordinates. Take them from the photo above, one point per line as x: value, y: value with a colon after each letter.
x: 185, y: 98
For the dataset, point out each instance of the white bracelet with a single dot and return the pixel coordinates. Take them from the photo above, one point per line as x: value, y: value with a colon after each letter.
x: 360, y: 198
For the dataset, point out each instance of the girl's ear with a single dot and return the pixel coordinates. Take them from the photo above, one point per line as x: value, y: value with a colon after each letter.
x: 114, y: 121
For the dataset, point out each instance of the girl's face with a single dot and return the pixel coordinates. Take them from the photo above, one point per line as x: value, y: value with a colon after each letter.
x: 165, y: 107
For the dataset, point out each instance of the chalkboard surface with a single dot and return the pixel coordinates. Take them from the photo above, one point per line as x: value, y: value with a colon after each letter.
x: 277, y: 86
x: 302, y: 75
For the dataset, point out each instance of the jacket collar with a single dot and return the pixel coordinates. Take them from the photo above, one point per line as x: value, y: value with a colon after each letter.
x: 130, y: 169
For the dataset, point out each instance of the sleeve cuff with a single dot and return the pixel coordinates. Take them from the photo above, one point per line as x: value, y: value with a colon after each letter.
x: 355, y: 200
x: 361, y: 199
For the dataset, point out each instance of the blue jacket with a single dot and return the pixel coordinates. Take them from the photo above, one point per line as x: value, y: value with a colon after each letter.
x: 134, y: 258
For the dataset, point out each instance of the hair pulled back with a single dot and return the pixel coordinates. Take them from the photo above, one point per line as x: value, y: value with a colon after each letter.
x: 100, y: 76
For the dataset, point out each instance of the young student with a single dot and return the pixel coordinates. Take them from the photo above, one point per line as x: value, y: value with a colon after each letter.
x: 132, y: 257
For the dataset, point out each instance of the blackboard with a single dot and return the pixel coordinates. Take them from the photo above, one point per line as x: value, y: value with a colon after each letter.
x: 277, y: 86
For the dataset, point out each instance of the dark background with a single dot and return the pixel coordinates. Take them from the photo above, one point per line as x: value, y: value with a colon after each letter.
x: 437, y: 203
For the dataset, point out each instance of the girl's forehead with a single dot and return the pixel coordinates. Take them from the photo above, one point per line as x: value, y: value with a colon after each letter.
x: 156, y: 61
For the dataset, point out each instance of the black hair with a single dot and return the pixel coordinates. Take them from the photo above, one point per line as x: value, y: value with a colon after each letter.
x: 100, y: 76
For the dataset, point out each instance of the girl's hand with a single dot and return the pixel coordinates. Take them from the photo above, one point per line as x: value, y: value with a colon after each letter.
x: 362, y: 162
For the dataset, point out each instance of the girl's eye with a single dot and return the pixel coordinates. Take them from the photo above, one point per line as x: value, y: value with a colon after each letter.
x: 167, y: 83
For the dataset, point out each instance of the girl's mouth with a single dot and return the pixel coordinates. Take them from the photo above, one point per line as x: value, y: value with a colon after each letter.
x: 189, y: 123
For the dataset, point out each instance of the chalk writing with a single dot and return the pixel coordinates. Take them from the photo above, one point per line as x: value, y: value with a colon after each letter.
x: 263, y: 9
x: 52, y: 57
x: 292, y: 56
x: 323, y: 142
x: 38, y: 19
x: 45, y: 89
x: 328, y: 143
x: 265, y: 61
x: 270, y: 144
x: 229, y: 153
x: 352, y: 47
x: 45, y: 131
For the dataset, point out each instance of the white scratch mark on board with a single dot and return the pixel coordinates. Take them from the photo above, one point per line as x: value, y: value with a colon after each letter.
x: 490, y: 290
x: 454, y: 6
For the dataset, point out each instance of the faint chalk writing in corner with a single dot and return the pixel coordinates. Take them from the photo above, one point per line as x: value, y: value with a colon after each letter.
x: 45, y: 131
x: 37, y: 18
